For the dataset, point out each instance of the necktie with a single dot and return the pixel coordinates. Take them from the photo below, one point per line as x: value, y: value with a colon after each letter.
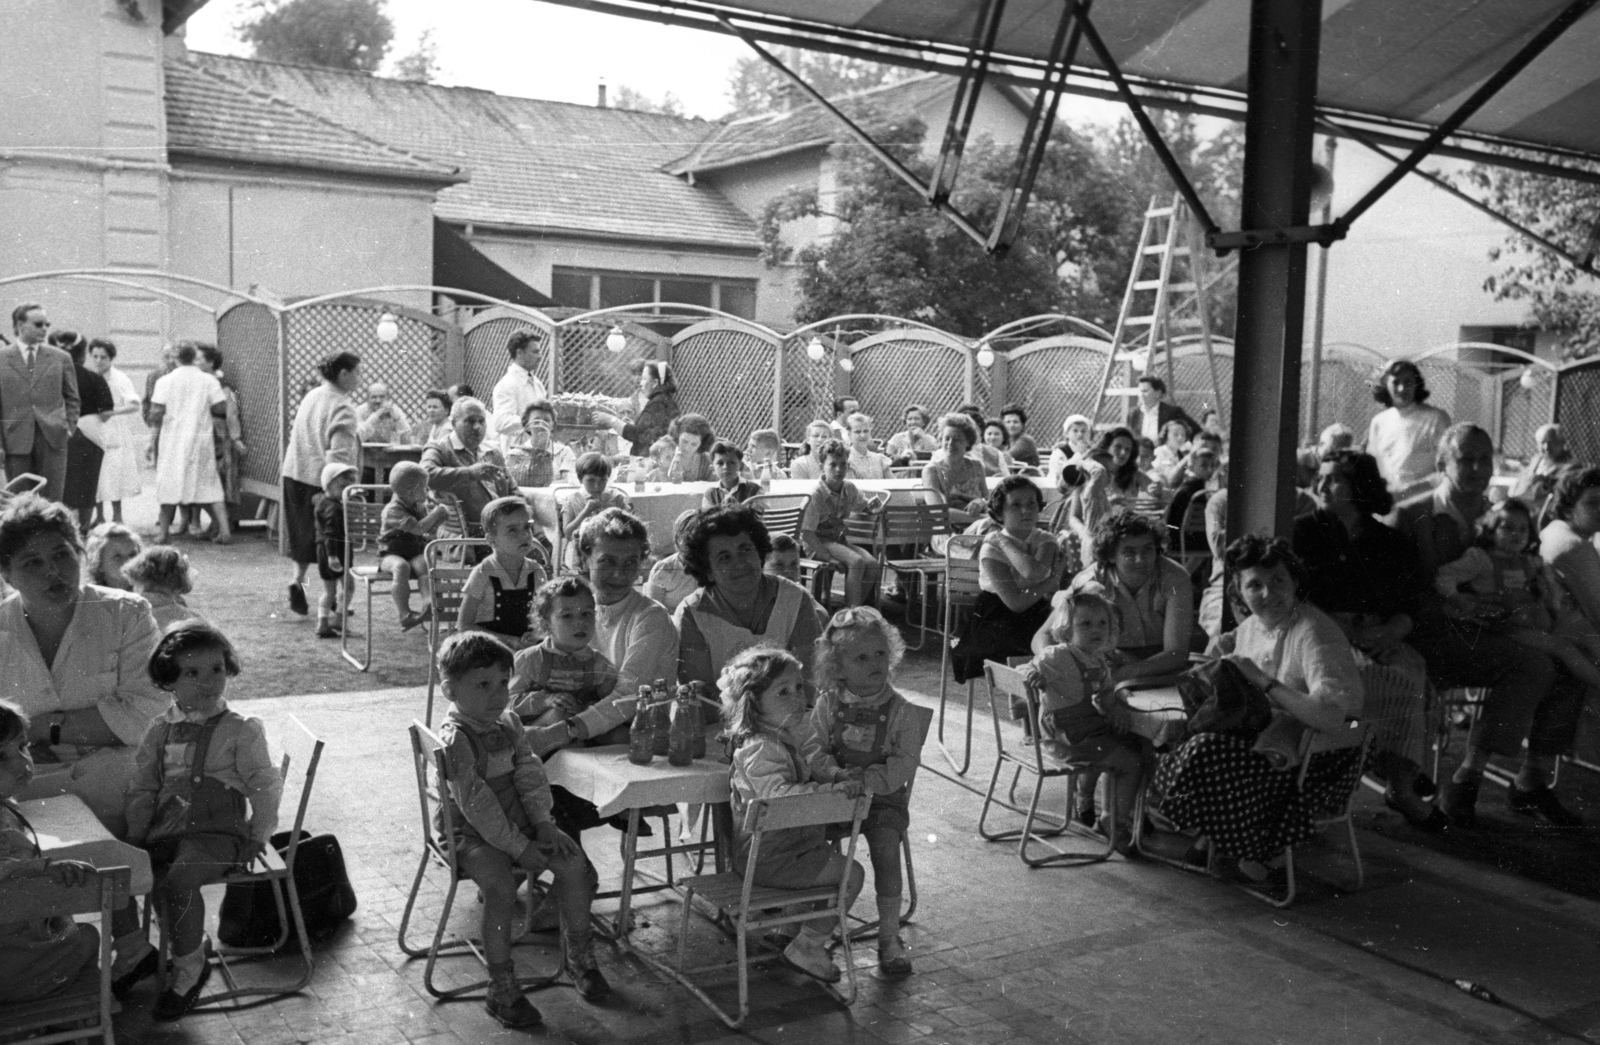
x: 29, y: 354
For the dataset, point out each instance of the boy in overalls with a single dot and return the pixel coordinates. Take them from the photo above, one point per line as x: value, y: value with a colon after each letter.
x: 499, y: 592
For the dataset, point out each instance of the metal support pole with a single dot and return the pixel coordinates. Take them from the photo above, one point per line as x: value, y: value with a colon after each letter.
x: 1315, y: 397
x: 1284, y: 46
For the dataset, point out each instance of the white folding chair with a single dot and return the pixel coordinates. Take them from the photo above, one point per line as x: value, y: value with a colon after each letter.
x: 447, y: 581
x: 82, y: 1010
x: 960, y: 595
x: 363, y: 523
x: 916, y: 527
x: 750, y: 908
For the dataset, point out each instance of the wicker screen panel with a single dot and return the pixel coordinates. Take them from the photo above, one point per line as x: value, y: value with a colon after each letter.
x: 1052, y: 383
x: 1578, y: 408
x: 485, y: 355
x: 1194, y: 392
x: 807, y: 389
x: 1461, y: 391
x: 247, y: 336
x: 730, y: 376
x: 409, y: 365
x: 585, y: 364
x: 1522, y: 411
x: 1346, y: 396
x: 892, y: 372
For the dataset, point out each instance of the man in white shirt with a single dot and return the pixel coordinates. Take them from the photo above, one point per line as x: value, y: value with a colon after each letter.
x: 519, y: 388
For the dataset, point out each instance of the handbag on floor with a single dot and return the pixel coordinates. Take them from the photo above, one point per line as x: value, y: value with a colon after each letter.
x: 249, y: 914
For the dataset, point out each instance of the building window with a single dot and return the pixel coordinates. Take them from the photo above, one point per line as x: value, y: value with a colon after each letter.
x: 598, y: 288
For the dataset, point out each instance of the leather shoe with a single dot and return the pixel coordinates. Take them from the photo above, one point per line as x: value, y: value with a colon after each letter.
x: 1432, y: 823
x: 591, y: 986
x: 297, y: 598
x: 171, y: 1005
x: 1541, y: 804
x: 1459, y: 801
x: 144, y: 967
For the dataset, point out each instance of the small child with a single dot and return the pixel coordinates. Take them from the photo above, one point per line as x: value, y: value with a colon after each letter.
x: 1075, y: 680
x: 870, y: 729
x: 198, y: 764
x: 38, y: 956
x: 727, y: 461
x: 107, y: 551
x: 784, y: 559
x: 776, y: 752
x: 161, y: 575
x: 328, y: 507
x: 1174, y: 444
x: 691, y: 463
x: 655, y: 467
x: 809, y: 464
x: 822, y: 528
x: 669, y: 583
x: 499, y: 590
x: 407, y: 526
x: 593, y: 497
x: 763, y: 454
x: 561, y: 675
x: 500, y: 801
x: 1506, y: 583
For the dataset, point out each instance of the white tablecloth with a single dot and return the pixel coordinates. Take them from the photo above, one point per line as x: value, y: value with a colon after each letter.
x: 604, y: 776
x: 68, y: 831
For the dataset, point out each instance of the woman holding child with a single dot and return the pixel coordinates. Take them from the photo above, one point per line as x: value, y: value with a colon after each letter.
x: 1226, y: 788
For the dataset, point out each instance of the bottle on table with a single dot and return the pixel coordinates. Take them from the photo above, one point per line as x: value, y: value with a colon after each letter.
x: 684, y: 727
x: 661, y: 719
x: 641, y: 734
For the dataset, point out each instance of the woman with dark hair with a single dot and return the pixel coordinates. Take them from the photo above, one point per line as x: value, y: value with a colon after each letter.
x: 119, y: 471
x: 952, y: 477
x: 435, y: 423
x: 86, y: 449
x: 655, y: 407
x: 323, y: 433
x: 72, y: 656
x: 1019, y: 569
x: 737, y: 605
x: 1153, y: 595
x: 1366, y: 577
x: 181, y: 408
x: 1405, y: 437
x: 1245, y: 804
x: 1118, y: 451
x: 993, y: 449
x: 692, y: 461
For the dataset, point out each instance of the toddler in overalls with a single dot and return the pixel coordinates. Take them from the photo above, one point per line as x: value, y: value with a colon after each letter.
x: 498, y: 596
x: 198, y: 764
x: 872, y: 732
x: 562, y: 674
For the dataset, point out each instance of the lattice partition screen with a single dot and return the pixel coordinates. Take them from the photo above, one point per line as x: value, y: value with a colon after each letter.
x: 485, y: 338
x: 807, y: 389
x: 1522, y: 411
x: 585, y: 364
x: 1192, y: 374
x: 1578, y: 408
x: 728, y: 374
x: 1346, y: 395
x: 1464, y: 393
x: 247, y: 336
x: 906, y: 367
x: 1053, y: 379
x: 410, y: 365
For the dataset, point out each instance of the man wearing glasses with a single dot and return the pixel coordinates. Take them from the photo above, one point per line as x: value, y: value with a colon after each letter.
x: 38, y: 401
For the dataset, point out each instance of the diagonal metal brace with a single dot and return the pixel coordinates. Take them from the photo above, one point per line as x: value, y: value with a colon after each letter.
x: 974, y: 71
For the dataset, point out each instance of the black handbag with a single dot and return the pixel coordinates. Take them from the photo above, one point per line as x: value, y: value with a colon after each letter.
x: 1220, y: 699
x: 249, y: 914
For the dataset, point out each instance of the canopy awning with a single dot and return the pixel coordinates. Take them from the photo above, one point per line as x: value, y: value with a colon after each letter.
x: 457, y: 263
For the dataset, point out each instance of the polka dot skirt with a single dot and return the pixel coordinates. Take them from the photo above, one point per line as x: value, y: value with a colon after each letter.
x: 1216, y: 786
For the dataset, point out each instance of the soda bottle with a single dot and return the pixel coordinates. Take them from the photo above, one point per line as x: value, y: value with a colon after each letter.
x: 698, y: 688
x: 684, y: 727
x: 641, y: 735
x: 661, y: 719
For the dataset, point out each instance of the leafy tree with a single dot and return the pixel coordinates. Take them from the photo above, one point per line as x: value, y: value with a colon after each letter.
x: 625, y: 97
x: 756, y: 87
x: 336, y: 34
x: 1564, y: 211
x: 422, y: 64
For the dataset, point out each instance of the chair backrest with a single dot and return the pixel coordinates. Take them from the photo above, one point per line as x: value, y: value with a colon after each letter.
x: 1341, y: 807
x: 781, y: 512
x: 817, y: 807
x: 906, y: 471
x: 915, y: 524
x: 427, y: 760
x: 37, y: 896
x: 961, y: 570
x: 1022, y: 700
x: 309, y: 747
x: 363, y: 514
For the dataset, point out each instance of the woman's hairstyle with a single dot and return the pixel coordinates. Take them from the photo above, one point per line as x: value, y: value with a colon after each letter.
x: 1255, y: 550
x: 1123, y: 476
x: 963, y: 424
x: 500, y: 509
x: 614, y: 523
x: 334, y: 365
x: 161, y: 568
x: 591, y: 463
x: 183, y: 353
x: 1367, y: 488
x: 1086, y: 599
x: 465, y: 405
x: 833, y: 448
x: 741, y: 684
x: 519, y: 340
x: 813, y: 447
x: 187, y: 636
x: 544, y: 599
x: 1014, y: 408
x: 839, y: 629
x: 1118, y: 527
x: 538, y: 406
x: 470, y: 650
x: 212, y: 353
x: 1380, y: 388
x: 663, y: 445
x: 105, y: 344
x: 1568, y: 490
x: 658, y: 370
x: 731, y: 520
x: 1489, y: 524
x: 71, y: 342
x: 29, y: 515
x: 695, y: 423
x: 99, y: 539
x: 13, y: 723
x: 1002, y: 490
x: 857, y: 416
x: 916, y: 408
x: 441, y: 395
x: 723, y: 448
x: 1166, y: 429
x: 999, y: 426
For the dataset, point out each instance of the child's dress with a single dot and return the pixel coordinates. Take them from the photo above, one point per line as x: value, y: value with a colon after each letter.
x: 38, y: 956
x: 881, y: 735
x: 772, y: 765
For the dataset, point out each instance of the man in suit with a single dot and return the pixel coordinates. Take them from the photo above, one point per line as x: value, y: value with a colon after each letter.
x: 38, y: 401
x: 462, y: 467
x: 1150, y: 417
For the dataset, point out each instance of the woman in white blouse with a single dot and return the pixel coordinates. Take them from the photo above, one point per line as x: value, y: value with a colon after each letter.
x: 1405, y: 437
x: 73, y: 656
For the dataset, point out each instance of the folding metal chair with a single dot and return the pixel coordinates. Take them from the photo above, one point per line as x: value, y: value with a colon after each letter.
x: 363, y: 523
x: 447, y: 582
x: 781, y: 513
x: 438, y: 850
x: 1009, y: 689
x: 915, y: 527
x: 277, y: 868
x: 960, y: 594
x: 750, y: 908
x: 83, y: 1009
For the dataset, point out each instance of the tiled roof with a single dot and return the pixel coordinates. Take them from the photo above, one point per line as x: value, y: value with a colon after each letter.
x: 213, y: 117
x: 553, y: 166
x: 807, y: 126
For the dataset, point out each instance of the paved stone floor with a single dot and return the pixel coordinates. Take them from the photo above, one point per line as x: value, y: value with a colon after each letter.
x: 1116, y: 952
